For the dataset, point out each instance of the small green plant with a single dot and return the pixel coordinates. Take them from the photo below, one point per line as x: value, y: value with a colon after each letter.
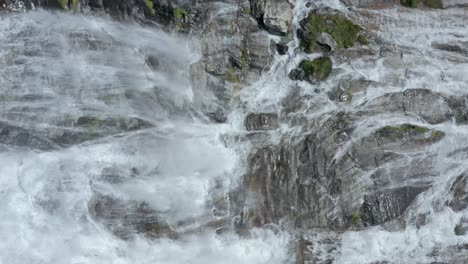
x: 180, y: 17
x: 244, y: 64
x: 231, y: 76
x: 149, y: 4
x: 356, y: 218
x: 180, y: 13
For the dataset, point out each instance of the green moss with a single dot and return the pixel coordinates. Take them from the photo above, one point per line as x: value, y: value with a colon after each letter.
x: 401, y: 131
x: 436, y: 135
x: 150, y: 6
x: 94, y: 122
x: 356, y: 218
x: 410, y: 3
x: 319, y: 68
x: 244, y: 64
x: 343, y: 31
x: 180, y: 17
x: 363, y: 40
x: 230, y: 76
x: 180, y: 13
x: 433, y: 3
x: 63, y: 4
x: 75, y: 5
x: 245, y: 11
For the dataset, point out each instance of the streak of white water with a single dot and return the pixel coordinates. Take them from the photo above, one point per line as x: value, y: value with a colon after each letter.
x: 56, y: 68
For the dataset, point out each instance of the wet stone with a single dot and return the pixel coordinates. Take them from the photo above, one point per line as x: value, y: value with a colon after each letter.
x: 282, y: 49
x: 128, y: 219
x: 384, y: 206
x: 261, y: 121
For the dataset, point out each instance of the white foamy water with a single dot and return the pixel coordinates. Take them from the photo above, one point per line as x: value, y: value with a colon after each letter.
x: 68, y: 76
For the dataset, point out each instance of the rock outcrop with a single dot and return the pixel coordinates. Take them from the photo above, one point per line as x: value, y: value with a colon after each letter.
x: 128, y: 219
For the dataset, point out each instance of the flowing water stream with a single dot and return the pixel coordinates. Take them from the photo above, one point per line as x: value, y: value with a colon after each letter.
x: 92, y: 108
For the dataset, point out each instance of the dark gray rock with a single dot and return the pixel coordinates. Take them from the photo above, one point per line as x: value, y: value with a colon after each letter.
x: 459, y: 191
x: 386, y: 205
x: 282, y: 49
x: 461, y: 228
x: 297, y: 75
x: 16, y: 136
x: 128, y: 219
x: 153, y: 62
x: 261, y: 121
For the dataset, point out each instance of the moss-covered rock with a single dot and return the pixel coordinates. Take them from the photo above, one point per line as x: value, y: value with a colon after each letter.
x: 411, y: 132
x: 363, y: 40
x: 401, y: 131
x: 343, y: 31
x: 433, y: 3
x: 318, y: 69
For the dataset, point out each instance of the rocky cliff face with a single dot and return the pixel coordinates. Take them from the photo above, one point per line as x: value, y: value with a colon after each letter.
x: 358, y: 139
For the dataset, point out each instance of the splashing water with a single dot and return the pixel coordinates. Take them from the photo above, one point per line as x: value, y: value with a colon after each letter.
x: 93, y: 108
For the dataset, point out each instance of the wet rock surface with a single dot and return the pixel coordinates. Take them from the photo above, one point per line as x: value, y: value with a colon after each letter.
x: 261, y: 121
x: 361, y: 145
x: 128, y: 219
x: 383, y: 206
x: 459, y: 190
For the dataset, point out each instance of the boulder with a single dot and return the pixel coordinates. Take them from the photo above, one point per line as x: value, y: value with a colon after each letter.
x: 261, y: 121
x: 343, y: 31
x: 316, y: 70
x: 277, y: 17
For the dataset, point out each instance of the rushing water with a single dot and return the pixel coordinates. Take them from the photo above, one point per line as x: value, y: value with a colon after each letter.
x: 84, y: 112
x: 91, y: 107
